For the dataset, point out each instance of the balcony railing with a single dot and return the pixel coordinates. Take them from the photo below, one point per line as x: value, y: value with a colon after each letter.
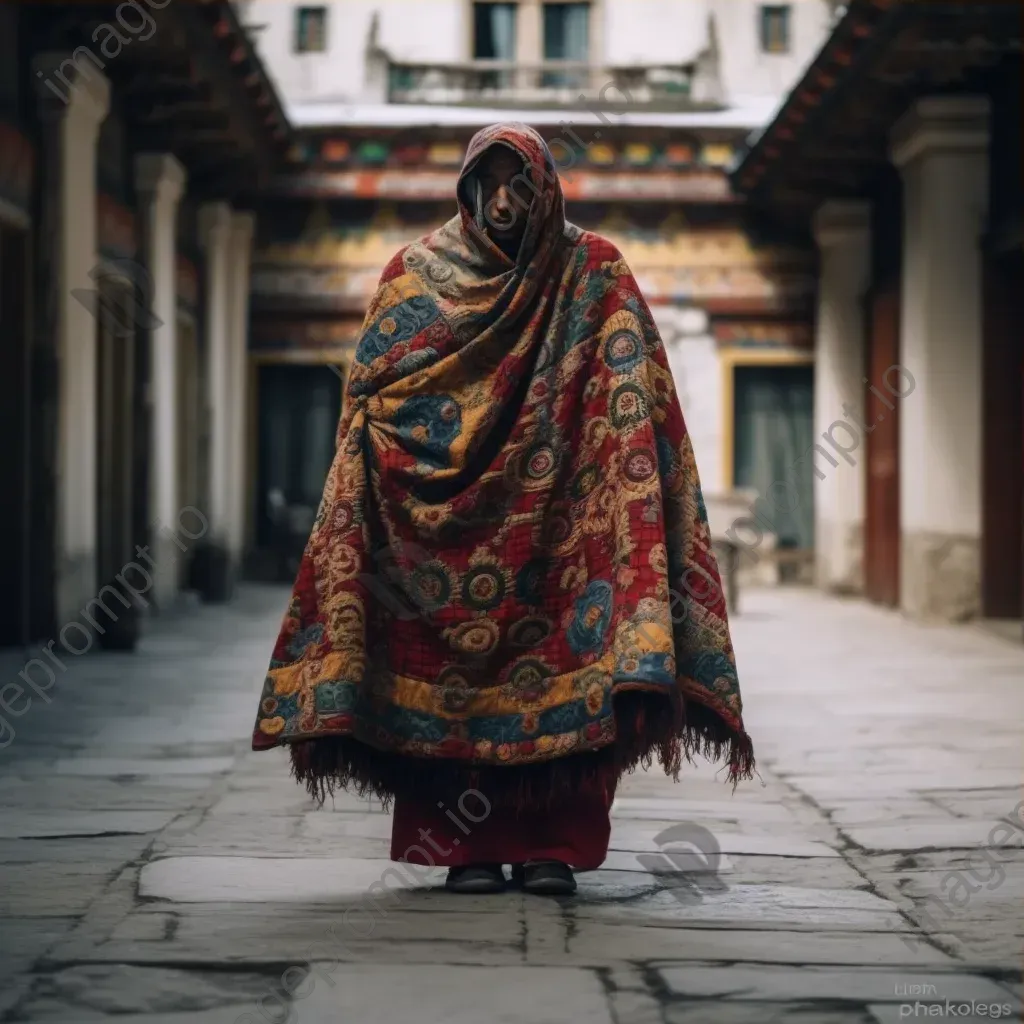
x: 553, y: 83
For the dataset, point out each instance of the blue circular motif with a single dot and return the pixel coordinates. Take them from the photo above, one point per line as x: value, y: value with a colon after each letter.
x: 429, y: 424
x: 623, y: 350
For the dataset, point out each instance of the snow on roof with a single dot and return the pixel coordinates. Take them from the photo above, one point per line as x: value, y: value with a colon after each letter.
x: 748, y: 113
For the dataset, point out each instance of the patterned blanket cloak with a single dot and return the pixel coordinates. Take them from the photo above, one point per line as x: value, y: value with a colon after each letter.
x: 509, y: 585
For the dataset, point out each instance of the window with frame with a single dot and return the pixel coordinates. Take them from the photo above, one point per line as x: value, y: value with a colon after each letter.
x: 494, y: 31
x: 567, y: 31
x: 775, y: 27
x: 310, y: 29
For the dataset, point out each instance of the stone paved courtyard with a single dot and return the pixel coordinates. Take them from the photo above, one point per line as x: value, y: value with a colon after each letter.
x: 154, y: 869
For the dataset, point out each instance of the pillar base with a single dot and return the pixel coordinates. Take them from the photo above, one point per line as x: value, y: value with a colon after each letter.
x: 940, y: 576
x: 212, y: 573
x: 122, y: 634
x: 839, y: 567
x: 76, y: 586
x: 167, y: 575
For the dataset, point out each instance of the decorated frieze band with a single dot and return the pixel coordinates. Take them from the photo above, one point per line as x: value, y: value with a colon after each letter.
x: 383, y: 153
x: 698, y: 186
x: 759, y: 334
x: 288, y: 335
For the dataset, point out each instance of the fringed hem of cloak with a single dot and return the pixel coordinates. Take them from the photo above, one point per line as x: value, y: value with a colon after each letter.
x: 643, y: 731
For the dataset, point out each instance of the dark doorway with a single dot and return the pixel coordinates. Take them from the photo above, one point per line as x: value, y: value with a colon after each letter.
x: 1002, y: 538
x: 774, y: 427
x: 882, y: 511
x: 299, y: 407
x: 115, y: 443
x: 15, y: 520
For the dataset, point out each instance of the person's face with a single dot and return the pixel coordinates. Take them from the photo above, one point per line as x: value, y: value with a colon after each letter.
x: 504, y: 214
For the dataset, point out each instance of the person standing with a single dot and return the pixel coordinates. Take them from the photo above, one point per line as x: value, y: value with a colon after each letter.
x: 509, y: 596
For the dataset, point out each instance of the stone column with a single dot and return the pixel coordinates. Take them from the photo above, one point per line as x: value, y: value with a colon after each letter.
x: 842, y: 230
x: 75, y: 262
x: 242, y: 225
x: 160, y: 181
x: 217, y: 569
x: 694, y: 360
x: 941, y: 149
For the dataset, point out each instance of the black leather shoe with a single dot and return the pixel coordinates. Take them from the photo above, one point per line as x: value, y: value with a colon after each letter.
x: 545, y: 878
x: 476, y: 878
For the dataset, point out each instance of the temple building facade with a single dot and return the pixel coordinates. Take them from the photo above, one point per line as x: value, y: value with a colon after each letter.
x: 647, y: 108
x: 900, y: 150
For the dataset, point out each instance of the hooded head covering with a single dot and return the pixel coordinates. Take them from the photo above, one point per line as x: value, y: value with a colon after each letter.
x: 510, y: 584
x: 537, y: 191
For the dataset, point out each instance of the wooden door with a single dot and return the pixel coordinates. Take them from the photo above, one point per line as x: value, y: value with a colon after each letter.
x: 882, y: 512
x: 190, y: 408
x: 1003, y: 438
x: 115, y: 350
x: 15, y: 517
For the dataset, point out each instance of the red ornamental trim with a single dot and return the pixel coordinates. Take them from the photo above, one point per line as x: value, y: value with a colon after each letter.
x: 238, y: 55
x: 221, y: 28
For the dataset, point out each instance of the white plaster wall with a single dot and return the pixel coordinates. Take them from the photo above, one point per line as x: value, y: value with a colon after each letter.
x: 746, y: 71
x: 654, y: 31
x: 697, y: 373
x: 410, y: 30
x: 633, y: 32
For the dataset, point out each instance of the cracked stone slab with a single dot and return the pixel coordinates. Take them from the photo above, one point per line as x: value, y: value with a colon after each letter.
x: 108, y: 851
x: 816, y: 872
x: 457, y: 995
x: 25, y: 824
x: 760, y: 1013
x: 272, y: 845
x: 277, y: 880
x: 937, y: 834
x: 159, y: 767
x: 623, y: 860
x: 884, y: 812
x: 100, y: 794
x: 241, y: 1013
x: 641, y: 839
x: 23, y: 942
x: 595, y: 943
x: 749, y: 906
x: 746, y: 982
x: 846, y: 785
x: 324, y: 825
x: 50, y: 890
x: 670, y: 809
x: 102, y: 991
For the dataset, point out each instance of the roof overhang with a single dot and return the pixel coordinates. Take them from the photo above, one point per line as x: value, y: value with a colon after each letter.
x: 190, y: 84
x: 830, y: 139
